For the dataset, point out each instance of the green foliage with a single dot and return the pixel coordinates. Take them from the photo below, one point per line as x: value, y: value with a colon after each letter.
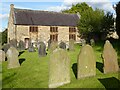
x: 107, y: 22
x: 118, y: 18
x: 4, y: 36
x: 91, y: 20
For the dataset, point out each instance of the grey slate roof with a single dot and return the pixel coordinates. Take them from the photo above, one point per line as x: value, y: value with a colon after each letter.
x: 44, y: 18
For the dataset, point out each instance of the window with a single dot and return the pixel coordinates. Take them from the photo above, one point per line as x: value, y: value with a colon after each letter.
x: 72, y: 33
x: 54, y: 33
x: 33, y: 29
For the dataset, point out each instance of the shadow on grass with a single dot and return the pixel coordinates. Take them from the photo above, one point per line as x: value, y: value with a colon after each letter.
x: 99, y: 66
x: 74, y: 68
x: 111, y: 82
x: 21, y: 60
x: 21, y: 53
x: 8, y: 79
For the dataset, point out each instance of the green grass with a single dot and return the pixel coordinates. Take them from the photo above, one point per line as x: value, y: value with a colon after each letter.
x: 33, y: 72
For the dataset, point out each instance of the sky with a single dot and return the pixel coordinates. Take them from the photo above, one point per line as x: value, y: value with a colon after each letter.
x: 49, y: 5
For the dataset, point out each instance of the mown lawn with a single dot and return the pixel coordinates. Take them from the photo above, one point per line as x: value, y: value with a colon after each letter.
x: 33, y: 72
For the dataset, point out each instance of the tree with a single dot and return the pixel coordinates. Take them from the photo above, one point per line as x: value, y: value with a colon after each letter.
x: 4, y: 36
x: 118, y: 19
x: 107, y: 22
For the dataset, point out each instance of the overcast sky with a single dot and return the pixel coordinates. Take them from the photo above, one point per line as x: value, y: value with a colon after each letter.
x: 49, y: 5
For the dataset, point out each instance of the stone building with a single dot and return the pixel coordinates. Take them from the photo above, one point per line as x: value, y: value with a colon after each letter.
x: 36, y: 25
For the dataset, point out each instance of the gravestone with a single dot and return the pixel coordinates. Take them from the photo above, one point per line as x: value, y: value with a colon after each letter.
x: 13, y: 43
x: 21, y: 45
x: 49, y: 42
x: 12, y: 56
x: 6, y: 47
x: 31, y: 48
x: 42, y: 49
x: 59, y: 68
x: 62, y: 45
x: 86, y: 65
x: 92, y: 42
x: 110, y: 58
x: 53, y: 46
x: 2, y: 55
x: 83, y: 41
x: 71, y: 45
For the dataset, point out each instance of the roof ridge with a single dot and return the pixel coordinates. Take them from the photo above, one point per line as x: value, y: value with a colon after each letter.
x: 45, y: 11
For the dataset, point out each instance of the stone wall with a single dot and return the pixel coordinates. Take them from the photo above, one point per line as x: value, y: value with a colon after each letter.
x: 43, y: 34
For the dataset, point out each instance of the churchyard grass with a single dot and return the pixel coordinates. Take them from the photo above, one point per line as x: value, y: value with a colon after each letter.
x: 33, y: 72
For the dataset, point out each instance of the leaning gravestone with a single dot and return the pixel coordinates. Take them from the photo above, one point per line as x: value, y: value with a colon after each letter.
x: 110, y: 58
x: 53, y: 46
x: 71, y: 45
x: 13, y: 43
x: 62, y: 45
x: 86, y: 65
x: 12, y: 56
x: 42, y: 49
x: 59, y: 68
x: 2, y: 55
x: 31, y: 48
x: 21, y: 45
x: 92, y: 42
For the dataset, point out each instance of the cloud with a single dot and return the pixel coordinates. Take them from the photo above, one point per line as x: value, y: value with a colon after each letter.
x: 101, y: 4
x: 4, y: 16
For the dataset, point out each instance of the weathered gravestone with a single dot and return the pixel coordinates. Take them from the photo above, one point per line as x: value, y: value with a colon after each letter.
x: 6, y: 47
x: 31, y: 48
x: 86, y: 65
x: 49, y: 42
x: 12, y: 56
x: 83, y: 41
x: 92, y: 42
x: 21, y: 45
x: 2, y: 55
x: 71, y: 45
x: 13, y: 43
x: 42, y: 49
x: 53, y: 46
x: 110, y: 58
x: 59, y: 68
x: 62, y: 45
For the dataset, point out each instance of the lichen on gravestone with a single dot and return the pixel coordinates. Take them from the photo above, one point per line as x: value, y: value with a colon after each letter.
x: 59, y: 68
x: 86, y: 64
x: 110, y: 58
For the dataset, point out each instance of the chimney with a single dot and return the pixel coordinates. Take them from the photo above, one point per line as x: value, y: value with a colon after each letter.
x: 11, y: 6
